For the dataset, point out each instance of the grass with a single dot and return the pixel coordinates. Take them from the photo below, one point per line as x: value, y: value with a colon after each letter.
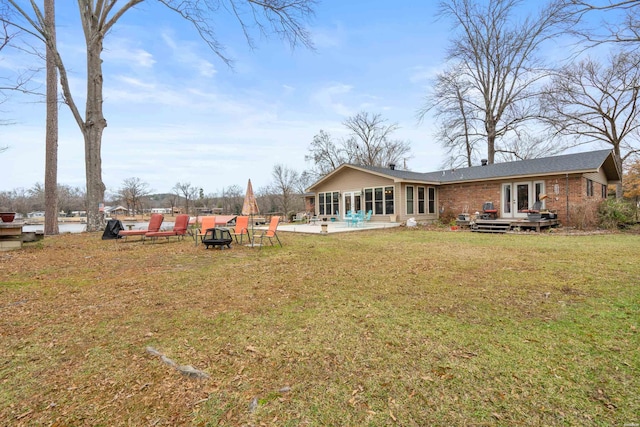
x: 408, y: 327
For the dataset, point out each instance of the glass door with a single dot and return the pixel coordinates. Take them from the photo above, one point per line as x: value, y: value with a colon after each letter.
x: 507, y: 201
x: 523, y: 199
x: 352, y: 201
x: 516, y: 197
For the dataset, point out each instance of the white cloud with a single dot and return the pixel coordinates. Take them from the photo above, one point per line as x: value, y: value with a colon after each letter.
x: 187, y: 54
x: 327, y: 98
x: 328, y: 37
x: 120, y: 51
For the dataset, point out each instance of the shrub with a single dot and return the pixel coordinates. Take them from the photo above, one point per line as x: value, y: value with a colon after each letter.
x: 583, y: 216
x: 615, y: 213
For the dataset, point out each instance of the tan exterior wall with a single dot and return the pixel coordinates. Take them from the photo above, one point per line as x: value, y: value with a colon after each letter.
x: 353, y: 180
x: 401, y: 203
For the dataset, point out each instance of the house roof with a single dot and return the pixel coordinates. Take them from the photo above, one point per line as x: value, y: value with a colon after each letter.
x: 592, y: 161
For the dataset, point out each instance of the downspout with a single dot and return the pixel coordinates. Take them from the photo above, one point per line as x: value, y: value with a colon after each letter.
x: 568, y: 216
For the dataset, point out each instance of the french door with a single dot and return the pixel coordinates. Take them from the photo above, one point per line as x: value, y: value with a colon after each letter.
x: 352, y: 201
x: 516, y: 197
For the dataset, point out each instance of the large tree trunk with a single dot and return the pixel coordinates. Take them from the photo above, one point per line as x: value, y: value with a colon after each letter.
x: 92, y: 131
x: 618, y: 156
x: 491, y: 142
x: 51, y: 156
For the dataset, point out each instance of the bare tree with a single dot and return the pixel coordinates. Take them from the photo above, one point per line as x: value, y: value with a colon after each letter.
x: 458, y: 121
x: 523, y: 145
x: 371, y: 140
x: 51, y: 138
x: 286, y: 184
x: 497, y: 59
x: 325, y: 154
x: 70, y: 198
x: 594, y: 102
x: 620, y: 21
x: 231, y: 199
x: 132, y: 192
x: 187, y: 191
x: 281, y: 17
x: 369, y: 143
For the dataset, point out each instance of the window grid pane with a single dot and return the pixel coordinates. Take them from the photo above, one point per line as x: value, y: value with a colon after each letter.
x: 409, y: 200
x: 421, y: 200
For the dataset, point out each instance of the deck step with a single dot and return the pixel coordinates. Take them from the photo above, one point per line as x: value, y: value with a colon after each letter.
x: 488, y: 227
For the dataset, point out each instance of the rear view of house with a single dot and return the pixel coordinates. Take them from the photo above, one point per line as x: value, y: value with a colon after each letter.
x: 573, y: 183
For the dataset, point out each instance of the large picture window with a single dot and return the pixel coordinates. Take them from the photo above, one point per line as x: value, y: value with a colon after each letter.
x: 379, y: 200
x: 328, y: 203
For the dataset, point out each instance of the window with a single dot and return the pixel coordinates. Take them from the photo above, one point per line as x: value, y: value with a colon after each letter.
x: 421, y: 200
x: 604, y: 191
x: 506, y: 203
x: 378, y: 206
x: 379, y: 200
x: 589, y: 188
x: 388, y: 200
x: 328, y: 203
x: 432, y: 200
x: 410, y: 200
x: 368, y: 199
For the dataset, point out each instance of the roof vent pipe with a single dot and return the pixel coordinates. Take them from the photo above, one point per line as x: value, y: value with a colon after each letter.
x: 484, y: 162
x: 392, y: 166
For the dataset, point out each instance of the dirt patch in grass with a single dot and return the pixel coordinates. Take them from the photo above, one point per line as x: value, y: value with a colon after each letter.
x: 400, y: 326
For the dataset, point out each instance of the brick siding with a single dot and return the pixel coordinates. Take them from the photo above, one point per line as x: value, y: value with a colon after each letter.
x: 469, y: 197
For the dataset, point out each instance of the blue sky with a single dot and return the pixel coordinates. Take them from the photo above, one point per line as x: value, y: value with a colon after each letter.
x: 177, y: 113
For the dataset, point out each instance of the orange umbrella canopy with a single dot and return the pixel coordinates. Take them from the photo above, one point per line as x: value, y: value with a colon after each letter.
x: 250, y: 205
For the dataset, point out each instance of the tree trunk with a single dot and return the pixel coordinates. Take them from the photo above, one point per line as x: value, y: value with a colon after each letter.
x: 92, y: 131
x: 619, y: 187
x: 491, y: 142
x: 51, y: 155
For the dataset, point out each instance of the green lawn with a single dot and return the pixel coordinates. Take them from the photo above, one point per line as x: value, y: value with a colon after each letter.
x: 408, y: 327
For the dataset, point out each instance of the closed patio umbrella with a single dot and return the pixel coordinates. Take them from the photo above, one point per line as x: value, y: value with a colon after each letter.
x: 250, y: 206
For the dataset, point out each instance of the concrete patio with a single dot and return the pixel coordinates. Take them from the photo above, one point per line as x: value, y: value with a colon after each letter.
x: 332, y: 227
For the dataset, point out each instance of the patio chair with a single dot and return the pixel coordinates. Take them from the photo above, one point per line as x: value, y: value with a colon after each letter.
x: 488, y: 211
x: 241, y: 229
x: 179, y: 229
x: 206, y: 223
x: 155, y: 222
x: 357, y: 219
x: 362, y: 218
x: 271, y: 232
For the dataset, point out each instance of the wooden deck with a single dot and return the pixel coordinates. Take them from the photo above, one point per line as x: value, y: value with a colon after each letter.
x: 501, y: 225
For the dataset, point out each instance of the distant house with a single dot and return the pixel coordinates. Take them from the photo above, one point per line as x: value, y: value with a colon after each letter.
x: 161, y: 210
x: 570, y: 181
x: 115, y: 211
x: 36, y: 214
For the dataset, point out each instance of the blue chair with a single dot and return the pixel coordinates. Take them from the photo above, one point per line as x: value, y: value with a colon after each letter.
x: 359, y: 219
